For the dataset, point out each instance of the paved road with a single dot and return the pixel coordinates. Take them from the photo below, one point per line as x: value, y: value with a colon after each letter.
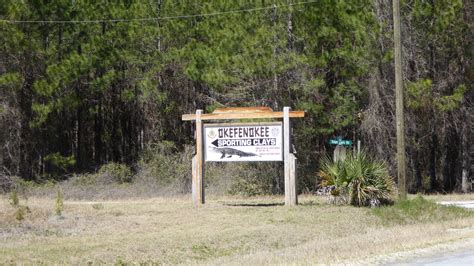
x: 461, y: 258
x: 464, y: 204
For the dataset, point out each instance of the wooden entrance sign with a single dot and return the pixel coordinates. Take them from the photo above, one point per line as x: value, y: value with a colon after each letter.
x: 256, y: 141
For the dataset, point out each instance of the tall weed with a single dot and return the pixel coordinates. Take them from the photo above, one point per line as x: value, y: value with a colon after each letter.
x: 14, y: 201
x: 59, y: 203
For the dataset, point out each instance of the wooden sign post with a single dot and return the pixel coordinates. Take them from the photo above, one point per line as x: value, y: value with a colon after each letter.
x: 243, y: 142
x: 198, y: 164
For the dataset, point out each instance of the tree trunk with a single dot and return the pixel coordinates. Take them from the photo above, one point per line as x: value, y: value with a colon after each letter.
x: 26, y: 145
x: 79, y: 136
x: 432, y: 161
x: 98, y: 133
x: 465, y: 186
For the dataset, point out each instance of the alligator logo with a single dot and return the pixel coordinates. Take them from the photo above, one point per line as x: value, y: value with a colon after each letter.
x: 229, y: 152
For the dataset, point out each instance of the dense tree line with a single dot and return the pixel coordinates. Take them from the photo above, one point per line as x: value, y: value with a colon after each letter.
x: 74, y: 96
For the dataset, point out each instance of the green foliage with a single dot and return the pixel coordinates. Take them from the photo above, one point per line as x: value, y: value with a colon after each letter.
x: 451, y: 102
x: 115, y: 173
x: 437, y: 89
x: 59, y: 203
x: 334, y: 173
x: 252, y: 179
x: 98, y: 206
x: 163, y: 164
x: 59, y: 161
x: 25, y: 184
x: 108, y: 174
x: 84, y: 180
x: 359, y: 178
x: 336, y: 45
x: 119, y: 261
x: 14, y: 201
x: 204, y: 251
x: 419, y: 210
x: 20, y: 213
x: 421, y: 96
x: 250, y: 187
x: 443, y: 13
x: 12, y: 80
x: 89, y: 93
x: 42, y: 112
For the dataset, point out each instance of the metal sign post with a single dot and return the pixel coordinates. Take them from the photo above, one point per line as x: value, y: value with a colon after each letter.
x: 340, y: 150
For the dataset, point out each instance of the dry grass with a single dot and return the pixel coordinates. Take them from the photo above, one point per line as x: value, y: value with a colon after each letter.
x: 450, y: 197
x: 227, y: 230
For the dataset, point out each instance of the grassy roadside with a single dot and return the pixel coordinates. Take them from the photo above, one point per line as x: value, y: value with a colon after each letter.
x: 226, y: 230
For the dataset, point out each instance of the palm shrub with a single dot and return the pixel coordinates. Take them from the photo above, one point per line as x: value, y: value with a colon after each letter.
x: 359, y: 179
x: 334, y: 174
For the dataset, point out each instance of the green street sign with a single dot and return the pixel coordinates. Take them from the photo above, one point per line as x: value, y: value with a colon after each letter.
x: 340, y: 141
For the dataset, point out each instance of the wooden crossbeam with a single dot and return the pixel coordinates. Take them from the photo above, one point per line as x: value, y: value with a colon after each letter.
x: 242, y: 115
x: 257, y: 109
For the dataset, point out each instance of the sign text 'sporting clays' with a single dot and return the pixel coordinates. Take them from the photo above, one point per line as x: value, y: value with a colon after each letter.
x: 243, y: 142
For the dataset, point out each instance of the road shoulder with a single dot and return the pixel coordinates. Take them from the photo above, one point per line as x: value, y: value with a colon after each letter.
x: 424, y: 255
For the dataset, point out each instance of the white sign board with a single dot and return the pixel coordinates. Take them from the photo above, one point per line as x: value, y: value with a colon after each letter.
x: 243, y: 142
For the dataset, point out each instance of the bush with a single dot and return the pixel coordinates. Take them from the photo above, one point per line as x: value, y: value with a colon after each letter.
x: 108, y: 174
x: 7, y: 183
x: 115, y: 173
x: 358, y: 179
x: 84, y: 179
x: 164, y: 165
x: 250, y: 179
x: 20, y: 211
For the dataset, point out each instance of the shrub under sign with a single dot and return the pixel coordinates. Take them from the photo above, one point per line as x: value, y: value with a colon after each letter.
x: 258, y: 141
